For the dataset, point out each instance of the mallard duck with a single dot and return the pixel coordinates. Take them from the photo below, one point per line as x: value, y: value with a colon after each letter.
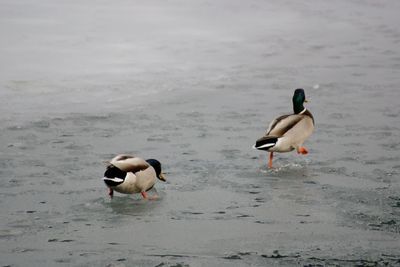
x: 288, y: 132
x: 128, y: 174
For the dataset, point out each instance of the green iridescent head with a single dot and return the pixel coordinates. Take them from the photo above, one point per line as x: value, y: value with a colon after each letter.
x: 299, y: 97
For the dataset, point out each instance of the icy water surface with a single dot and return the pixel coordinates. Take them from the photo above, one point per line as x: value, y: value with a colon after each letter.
x: 194, y: 84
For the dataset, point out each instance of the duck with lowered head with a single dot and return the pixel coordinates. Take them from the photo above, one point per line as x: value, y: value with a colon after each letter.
x: 128, y: 174
x: 288, y: 132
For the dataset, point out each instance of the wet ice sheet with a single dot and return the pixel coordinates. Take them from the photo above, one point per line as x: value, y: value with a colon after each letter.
x: 221, y: 206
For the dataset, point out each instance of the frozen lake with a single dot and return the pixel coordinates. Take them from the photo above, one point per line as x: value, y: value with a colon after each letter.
x: 194, y: 84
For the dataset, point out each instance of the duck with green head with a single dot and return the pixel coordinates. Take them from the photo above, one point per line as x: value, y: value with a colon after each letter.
x: 128, y: 174
x: 288, y: 132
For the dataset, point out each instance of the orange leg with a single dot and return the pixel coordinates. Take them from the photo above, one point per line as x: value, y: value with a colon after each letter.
x: 302, y: 150
x: 271, y: 156
x: 110, y: 192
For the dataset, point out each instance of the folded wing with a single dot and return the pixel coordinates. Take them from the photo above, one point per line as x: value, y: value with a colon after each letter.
x: 129, y: 163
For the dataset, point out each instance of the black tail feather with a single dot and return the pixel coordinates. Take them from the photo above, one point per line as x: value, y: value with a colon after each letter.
x: 266, y: 142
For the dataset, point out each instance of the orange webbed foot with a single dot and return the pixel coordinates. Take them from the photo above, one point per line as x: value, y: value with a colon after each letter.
x: 302, y: 150
x: 146, y: 196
